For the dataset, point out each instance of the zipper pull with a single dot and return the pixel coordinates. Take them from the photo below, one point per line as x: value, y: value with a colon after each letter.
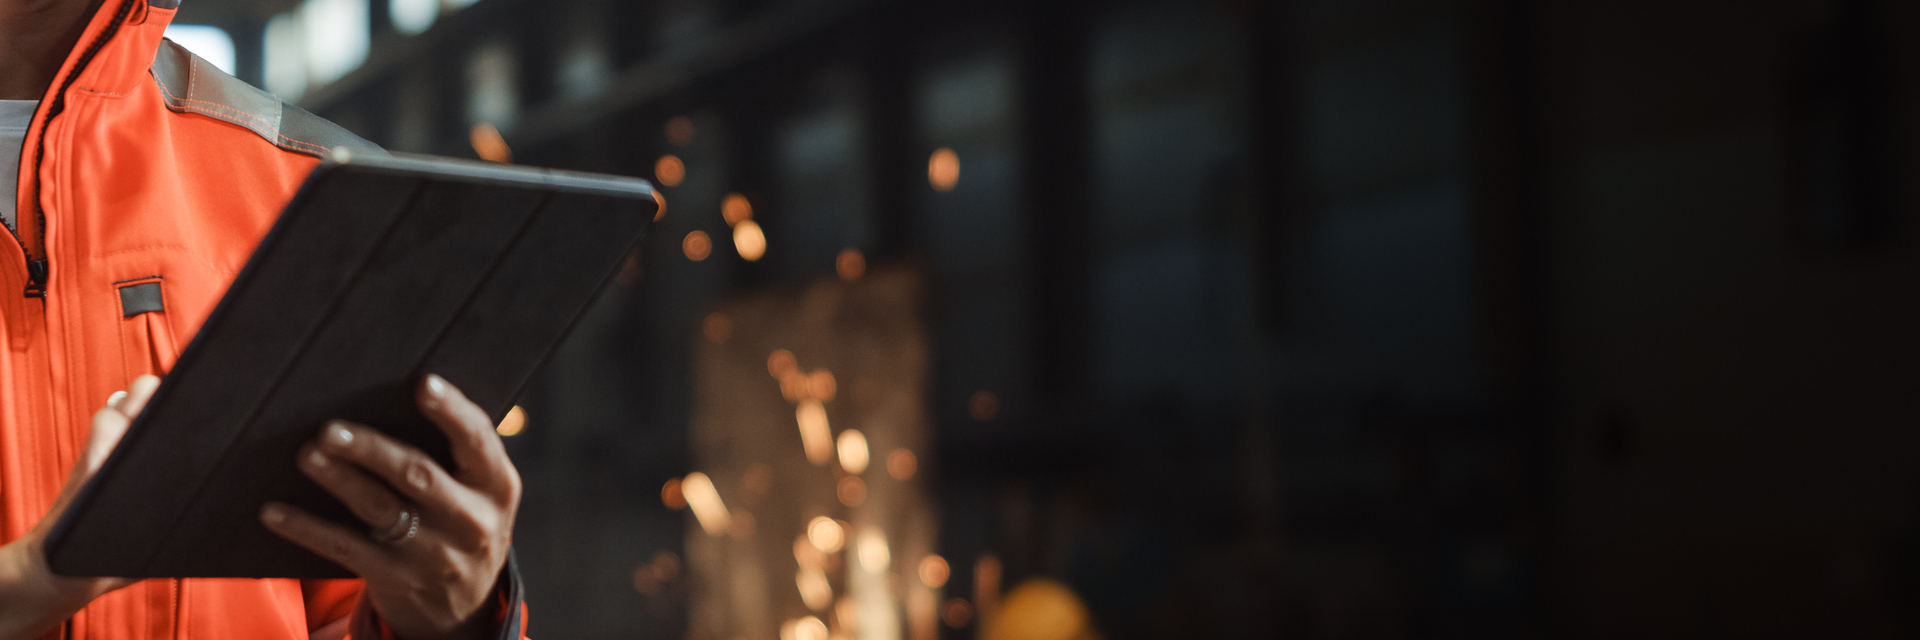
x: 36, y: 278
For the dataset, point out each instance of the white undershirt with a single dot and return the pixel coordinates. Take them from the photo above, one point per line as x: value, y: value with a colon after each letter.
x: 14, y: 117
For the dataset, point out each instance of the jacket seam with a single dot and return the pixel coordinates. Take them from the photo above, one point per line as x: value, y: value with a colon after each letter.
x: 151, y: 277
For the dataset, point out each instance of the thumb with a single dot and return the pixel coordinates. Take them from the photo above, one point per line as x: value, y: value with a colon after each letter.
x: 110, y: 423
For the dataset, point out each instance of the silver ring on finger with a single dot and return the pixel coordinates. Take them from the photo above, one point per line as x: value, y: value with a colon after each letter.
x: 403, y: 528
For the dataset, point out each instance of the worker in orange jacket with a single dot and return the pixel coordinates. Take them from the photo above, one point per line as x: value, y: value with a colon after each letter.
x: 141, y: 165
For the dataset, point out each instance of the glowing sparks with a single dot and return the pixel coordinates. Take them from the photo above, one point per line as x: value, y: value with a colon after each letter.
x: 489, y: 144
x: 983, y: 405
x: 717, y: 327
x: 851, y: 264
x: 816, y: 438
x: 901, y: 464
x: 679, y: 131
x: 934, y: 571
x: 735, y: 209
x: 826, y: 535
x: 697, y: 246
x: 943, y: 169
x: 853, y: 451
x: 707, y: 507
x: 871, y: 549
x: 851, y: 490
x: 514, y: 423
x: 814, y: 588
x: 669, y: 170
x: 672, y: 496
x: 749, y: 240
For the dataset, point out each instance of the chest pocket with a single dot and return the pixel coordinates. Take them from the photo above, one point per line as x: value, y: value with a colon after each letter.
x: 146, y: 341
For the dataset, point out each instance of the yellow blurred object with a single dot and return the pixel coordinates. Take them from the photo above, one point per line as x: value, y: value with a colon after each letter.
x: 1040, y: 609
x: 826, y: 534
x: 707, y: 507
x: 514, y: 423
x: 749, y: 240
x: 853, y: 451
x: 816, y: 438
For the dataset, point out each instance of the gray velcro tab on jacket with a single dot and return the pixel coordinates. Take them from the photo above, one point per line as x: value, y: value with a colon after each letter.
x: 140, y: 298
x: 192, y: 85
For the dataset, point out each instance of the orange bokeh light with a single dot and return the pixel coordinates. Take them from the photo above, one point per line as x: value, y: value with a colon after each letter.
x: 669, y: 170
x: 749, y: 240
x: 489, y: 144
x: 514, y: 423
x: 983, y: 405
x: 852, y: 491
x: 671, y: 496
x: 943, y: 169
x: 826, y: 535
x: 697, y: 246
x: 901, y: 464
x: 660, y: 206
x: 735, y: 209
x: 821, y: 385
x: 934, y: 571
x: 679, y: 131
x: 958, y: 613
x: 850, y: 264
x: 781, y: 362
x: 718, y: 327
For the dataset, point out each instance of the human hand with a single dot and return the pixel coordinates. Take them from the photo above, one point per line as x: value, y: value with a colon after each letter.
x: 452, y: 528
x: 32, y: 598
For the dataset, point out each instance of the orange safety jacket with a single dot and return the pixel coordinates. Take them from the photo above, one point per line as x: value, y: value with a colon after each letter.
x: 145, y: 164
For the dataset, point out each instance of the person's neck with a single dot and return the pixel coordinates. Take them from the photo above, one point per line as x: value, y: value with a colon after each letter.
x: 35, y: 37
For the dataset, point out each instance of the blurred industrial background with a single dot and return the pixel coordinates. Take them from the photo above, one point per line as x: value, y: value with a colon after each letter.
x: 1196, y: 319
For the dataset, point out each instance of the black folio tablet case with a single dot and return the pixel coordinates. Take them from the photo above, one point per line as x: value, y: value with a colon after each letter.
x: 380, y: 271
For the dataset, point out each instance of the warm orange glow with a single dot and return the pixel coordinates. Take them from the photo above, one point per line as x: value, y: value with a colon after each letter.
x: 758, y: 479
x: 846, y: 612
x: 707, y: 507
x: 983, y: 405
x: 717, y: 327
x: 814, y: 589
x: 749, y: 240
x: 958, y: 613
x: 826, y: 535
x: 815, y: 436
x: 741, y: 525
x: 652, y: 577
x: 735, y: 209
x: 821, y: 385
x: 943, y: 169
x: 514, y: 423
x: 808, y: 556
x: 923, y: 623
x: 671, y: 496
x: 851, y: 490
x: 659, y: 206
x: 489, y: 144
x: 679, y: 131
x: 986, y: 586
x: 669, y: 170
x: 808, y: 628
x: 901, y: 464
x: 871, y: 549
x: 1039, y: 609
x: 850, y: 265
x: 934, y: 571
x: 853, y: 451
x: 781, y: 362
x: 793, y: 387
x: 697, y: 246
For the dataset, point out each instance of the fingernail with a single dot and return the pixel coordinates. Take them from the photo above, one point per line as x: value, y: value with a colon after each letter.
x: 436, y: 385
x: 418, y: 477
x: 115, y: 399
x: 316, y: 458
x: 273, y: 514
x: 338, y: 434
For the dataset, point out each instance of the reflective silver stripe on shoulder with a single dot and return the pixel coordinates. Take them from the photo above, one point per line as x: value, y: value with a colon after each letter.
x: 190, y: 84
x: 164, y: 4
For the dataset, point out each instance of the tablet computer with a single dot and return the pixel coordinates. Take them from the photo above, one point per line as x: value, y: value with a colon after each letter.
x: 380, y: 270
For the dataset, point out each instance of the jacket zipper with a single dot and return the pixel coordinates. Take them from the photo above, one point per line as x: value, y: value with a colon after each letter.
x: 38, y: 271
